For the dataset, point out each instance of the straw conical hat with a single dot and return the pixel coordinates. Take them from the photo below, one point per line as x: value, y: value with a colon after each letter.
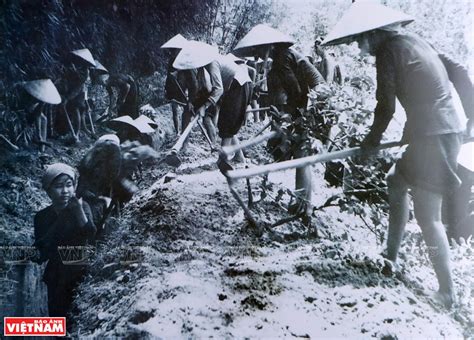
x: 178, y: 41
x: 124, y: 122
x: 145, y: 120
x: 43, y: 90
x: 233, y: 58
x: 99, y: 68
x: 195, y: 54
x: 258, y: 36
x: 84, y: 55
x: 364, y: 16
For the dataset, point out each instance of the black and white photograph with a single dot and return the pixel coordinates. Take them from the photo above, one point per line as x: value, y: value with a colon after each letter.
x: 249, y: 169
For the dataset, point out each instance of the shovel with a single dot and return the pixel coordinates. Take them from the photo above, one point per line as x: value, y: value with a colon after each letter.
x: 172, y: 158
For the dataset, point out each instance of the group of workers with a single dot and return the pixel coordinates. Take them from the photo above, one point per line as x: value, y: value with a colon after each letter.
x: 218, y: 89
x: 65, y: 107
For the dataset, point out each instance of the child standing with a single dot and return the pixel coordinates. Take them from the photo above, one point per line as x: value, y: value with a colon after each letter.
x: 66, y: 222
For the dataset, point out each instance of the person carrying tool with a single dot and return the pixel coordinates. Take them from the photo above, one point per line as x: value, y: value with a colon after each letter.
x: 72, y: 88
x: 175, y: 85
x: 289, y: 82
x: 39, y: 92
x: 127, y: 88
x: 224, y: 88
x: 98, y: 170
x: 326, y: 64
x: 410, y: 69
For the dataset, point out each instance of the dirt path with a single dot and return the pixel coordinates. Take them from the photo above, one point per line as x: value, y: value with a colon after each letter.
x: 201, y: 272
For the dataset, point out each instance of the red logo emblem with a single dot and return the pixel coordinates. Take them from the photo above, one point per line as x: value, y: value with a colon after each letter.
x: 34, y: 326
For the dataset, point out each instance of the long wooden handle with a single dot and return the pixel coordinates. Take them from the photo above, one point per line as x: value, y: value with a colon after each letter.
x: 229, y: 150
x: 259, y: 109
x: 206, y: 136
x: 177, y: 102
x: 180, y: 142
x: 302, y: 162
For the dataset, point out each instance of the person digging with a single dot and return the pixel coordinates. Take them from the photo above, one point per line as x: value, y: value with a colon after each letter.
x: 223, y: 87
x: 72, y: 88
x: 289, y: 81
x: 40, y: 92
x: 410, y: 69
x: 174, y: 88
x: 127, y: 89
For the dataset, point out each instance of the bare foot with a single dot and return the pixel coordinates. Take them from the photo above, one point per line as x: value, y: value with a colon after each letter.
x: 390, y: 268
x: 444, y: 298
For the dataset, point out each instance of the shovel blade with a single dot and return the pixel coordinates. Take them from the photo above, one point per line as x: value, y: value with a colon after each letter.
x: 224, y: 165
x: 173, y: 160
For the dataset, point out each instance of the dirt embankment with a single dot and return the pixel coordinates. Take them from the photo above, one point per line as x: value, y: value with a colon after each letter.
x: 22, y: 292
x: 183, y: 262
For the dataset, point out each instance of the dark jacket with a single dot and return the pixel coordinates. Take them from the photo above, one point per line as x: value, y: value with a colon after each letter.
x: 410, y: 69
x: 295, y: 74
x: 127, y: 98
x: 54, y: 229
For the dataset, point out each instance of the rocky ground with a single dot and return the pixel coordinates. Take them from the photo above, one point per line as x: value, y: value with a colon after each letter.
x: 181, y: 261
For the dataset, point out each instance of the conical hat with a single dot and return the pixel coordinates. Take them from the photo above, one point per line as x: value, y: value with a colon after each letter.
x: 195, y: 54
x: 84, y: 55
x: 233, y: 58
x: 145, y: 120
x: 99, y: 68
x: 258, y: 36
x: 43, y: 90
x: 124, y: 122
x: 178, y: 41
x: 364, y: 16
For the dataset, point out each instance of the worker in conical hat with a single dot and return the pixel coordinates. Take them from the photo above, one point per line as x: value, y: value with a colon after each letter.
x: 73, y: 90
x: 126, y: 101
x: 289, y: 81
x: 326, y: 64
x: 410, y: 69
x: 224, y: 89
x: 176, y: 89
x: 41, y: 92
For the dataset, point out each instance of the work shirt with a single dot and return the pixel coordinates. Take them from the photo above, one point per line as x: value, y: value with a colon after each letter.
x: 53, y: 229
x: 295, y: 74
x: 410, y: 69
x: 221, y: 75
